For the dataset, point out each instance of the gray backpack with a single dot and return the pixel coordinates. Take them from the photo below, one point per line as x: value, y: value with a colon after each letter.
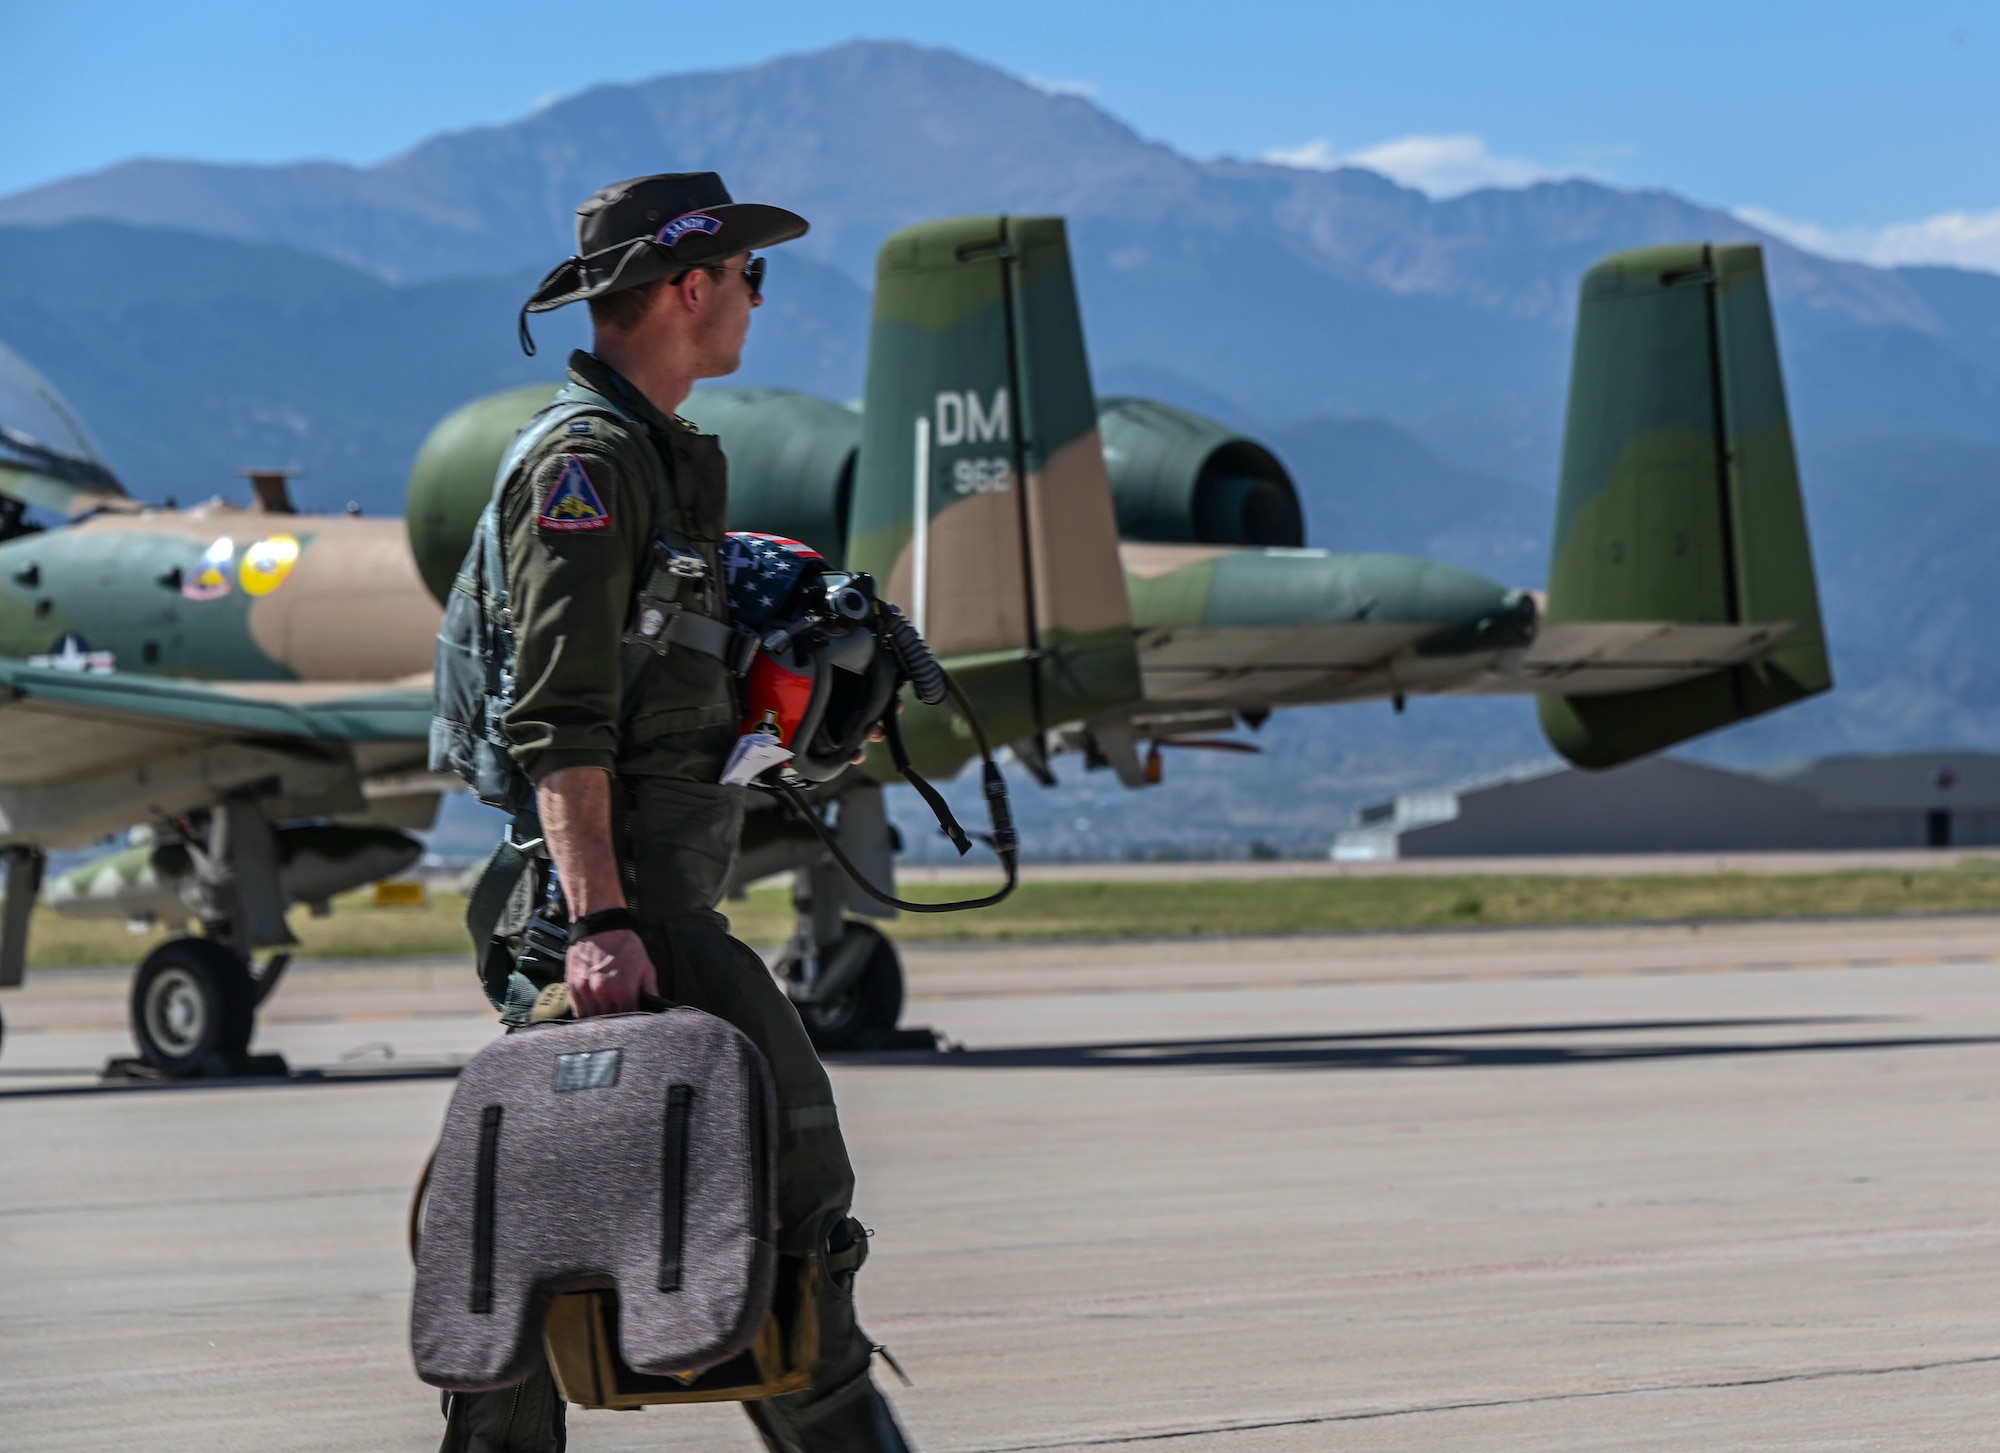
x: 628, y: 1155
x: 472, y: 680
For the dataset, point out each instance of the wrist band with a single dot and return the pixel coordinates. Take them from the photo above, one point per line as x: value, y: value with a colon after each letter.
x: 605, y: 920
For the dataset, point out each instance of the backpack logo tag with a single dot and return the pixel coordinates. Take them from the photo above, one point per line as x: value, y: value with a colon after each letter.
x: 573, y: 502
x: 595, y: 1069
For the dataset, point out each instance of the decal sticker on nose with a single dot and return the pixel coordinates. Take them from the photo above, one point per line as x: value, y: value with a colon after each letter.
x: 210, y: 580
x: 71, y: 652
x: 267, y: 563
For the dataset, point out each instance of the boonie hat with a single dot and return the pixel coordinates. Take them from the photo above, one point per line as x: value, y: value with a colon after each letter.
x: 634, y: 231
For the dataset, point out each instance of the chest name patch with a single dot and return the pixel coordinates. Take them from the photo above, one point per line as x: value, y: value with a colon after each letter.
x: 573, y: 502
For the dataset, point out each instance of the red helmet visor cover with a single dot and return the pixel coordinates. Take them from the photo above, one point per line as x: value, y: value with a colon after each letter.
x: 776, y: 694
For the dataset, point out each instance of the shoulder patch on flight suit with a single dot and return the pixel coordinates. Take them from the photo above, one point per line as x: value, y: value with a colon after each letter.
x: 573, y: 503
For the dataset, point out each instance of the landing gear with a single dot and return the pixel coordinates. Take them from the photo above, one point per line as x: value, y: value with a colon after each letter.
x: 193, y: 1008
x: 17, y: 905
x: 841, y: 974
x: 194, y: 1000
x: 852, y: 994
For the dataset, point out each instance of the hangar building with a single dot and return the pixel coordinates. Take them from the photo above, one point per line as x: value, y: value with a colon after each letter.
x: 1668, y: 805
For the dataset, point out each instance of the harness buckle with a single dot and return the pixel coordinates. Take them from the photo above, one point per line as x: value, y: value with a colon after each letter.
x: 683, y: 563
x: 652, y: 623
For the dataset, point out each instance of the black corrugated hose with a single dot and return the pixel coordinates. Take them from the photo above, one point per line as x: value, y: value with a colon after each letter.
x: 1006, y: 846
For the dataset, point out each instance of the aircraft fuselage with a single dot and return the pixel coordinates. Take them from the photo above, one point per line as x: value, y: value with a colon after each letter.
x: 219, y: 593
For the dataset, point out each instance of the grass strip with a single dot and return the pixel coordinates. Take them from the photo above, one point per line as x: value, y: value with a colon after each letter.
x: 1193, y: 907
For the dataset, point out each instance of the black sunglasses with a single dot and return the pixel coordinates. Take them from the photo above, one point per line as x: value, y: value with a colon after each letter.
x: 753, y: 274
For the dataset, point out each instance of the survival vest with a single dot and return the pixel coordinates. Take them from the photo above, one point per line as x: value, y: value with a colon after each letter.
x: 473, y: 679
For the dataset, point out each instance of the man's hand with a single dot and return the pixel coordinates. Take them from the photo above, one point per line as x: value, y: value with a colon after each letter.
x: 875, y: 734
x: 607, y: 973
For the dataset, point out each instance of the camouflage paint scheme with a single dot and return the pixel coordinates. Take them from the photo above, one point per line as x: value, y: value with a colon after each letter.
x: 147, y: 670
x: 349, y: 607
x: 1296, y: 625
x: 1098, y: 577
x: 1178, y: 478
x: 1680, y: 493
x: 979, y: 402
x: 1126, y: 572
x: 1681, y: 598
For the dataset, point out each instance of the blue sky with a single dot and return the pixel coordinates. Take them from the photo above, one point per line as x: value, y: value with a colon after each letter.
x: 1865, y: 129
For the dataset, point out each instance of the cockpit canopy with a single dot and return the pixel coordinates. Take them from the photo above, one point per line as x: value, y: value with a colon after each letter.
x: 47, y: 460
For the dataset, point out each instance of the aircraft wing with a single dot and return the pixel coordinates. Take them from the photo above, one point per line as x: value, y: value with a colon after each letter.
x: 84, y: 754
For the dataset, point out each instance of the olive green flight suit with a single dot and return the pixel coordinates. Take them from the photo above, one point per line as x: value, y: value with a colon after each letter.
x: 578, y: 518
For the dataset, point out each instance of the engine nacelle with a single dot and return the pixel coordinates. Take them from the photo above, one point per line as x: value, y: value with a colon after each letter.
x: 1180, y: 479
x: 453, y: 478
x: 791, y: 468
x: 791, y: 461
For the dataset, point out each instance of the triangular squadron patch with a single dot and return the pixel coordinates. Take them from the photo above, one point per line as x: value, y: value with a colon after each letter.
x: 573, y: 502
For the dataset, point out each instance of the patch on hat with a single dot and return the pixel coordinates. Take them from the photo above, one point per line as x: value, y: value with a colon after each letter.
x: 691, y: 222
x: 573, y: 502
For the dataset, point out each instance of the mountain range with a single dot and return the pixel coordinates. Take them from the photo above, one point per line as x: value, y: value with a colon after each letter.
x: 1406, y: 357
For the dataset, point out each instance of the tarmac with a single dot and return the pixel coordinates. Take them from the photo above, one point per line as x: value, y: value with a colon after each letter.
x: 1633, y: 1188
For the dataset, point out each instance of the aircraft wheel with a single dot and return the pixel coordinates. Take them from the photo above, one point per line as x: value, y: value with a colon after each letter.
x: 872, y: 1002
x: 193, y: 1007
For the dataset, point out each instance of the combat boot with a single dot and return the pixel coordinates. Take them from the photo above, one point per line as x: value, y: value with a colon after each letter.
x: 853, y: 1418
x: 843, y: 1412
x: 526, y: 1418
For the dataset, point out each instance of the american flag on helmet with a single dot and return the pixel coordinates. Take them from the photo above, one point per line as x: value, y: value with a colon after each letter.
x: 762, y: 573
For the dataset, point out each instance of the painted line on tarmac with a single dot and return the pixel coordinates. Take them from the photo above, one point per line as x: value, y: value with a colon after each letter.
x: 1454, y: 976
x: 1719, y: 1384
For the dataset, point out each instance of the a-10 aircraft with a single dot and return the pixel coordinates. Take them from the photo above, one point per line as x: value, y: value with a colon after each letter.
x: 1101, y: 576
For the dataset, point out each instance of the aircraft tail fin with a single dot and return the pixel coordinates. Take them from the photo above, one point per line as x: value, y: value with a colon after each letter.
x: 1680, y: 494
x: 980, y: 495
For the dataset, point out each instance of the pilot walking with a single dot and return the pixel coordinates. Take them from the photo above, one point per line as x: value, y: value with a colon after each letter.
x: 626, y: 770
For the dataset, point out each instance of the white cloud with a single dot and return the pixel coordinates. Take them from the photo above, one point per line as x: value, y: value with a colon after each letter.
x: 1314, y: 156
x: 1954, y: 239
x: 1087, y: 90
x: 1440, y: 166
